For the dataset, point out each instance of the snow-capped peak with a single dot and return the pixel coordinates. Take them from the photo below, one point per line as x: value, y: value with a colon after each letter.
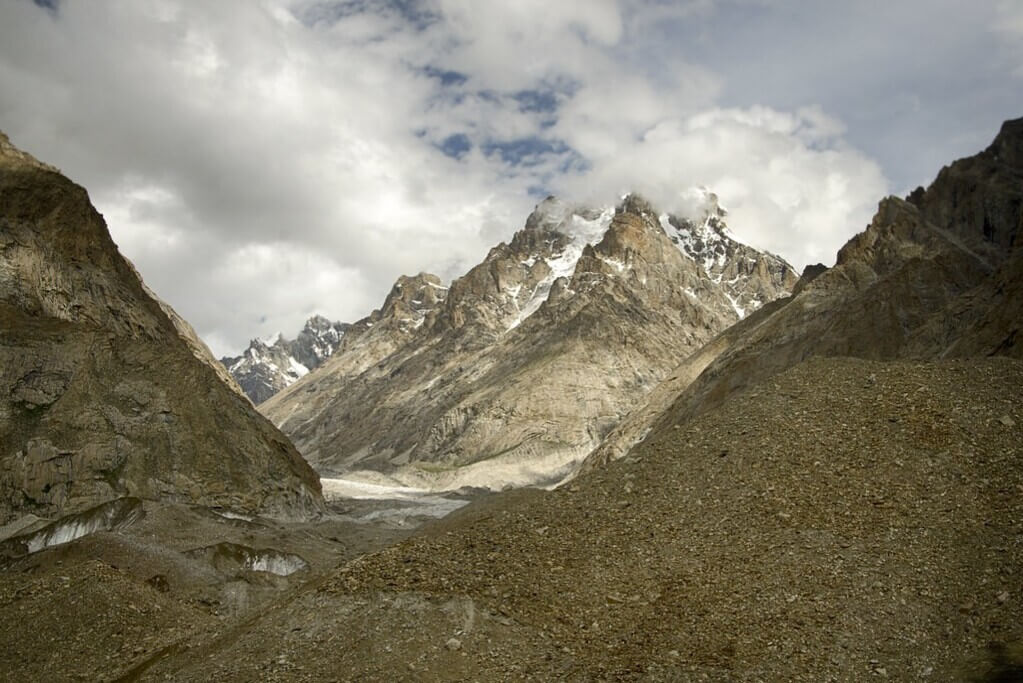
x: 582, y: 228
x: 271, y: 364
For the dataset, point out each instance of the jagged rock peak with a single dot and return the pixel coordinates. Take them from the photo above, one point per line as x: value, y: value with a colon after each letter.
x: 268, y: 366
x: 548, y: 214
x: 635, y: 204
x: 1008, y: 144
x: 412, y: 299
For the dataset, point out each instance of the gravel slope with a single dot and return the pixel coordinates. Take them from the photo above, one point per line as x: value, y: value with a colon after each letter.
x: 846, y: 519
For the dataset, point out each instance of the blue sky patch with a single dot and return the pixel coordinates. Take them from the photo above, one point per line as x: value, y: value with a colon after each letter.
x: 446, y: 77
x: 524, y: 151
x: 455, y: 146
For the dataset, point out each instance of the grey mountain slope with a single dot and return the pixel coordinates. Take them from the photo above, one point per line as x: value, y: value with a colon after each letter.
x: 527, y: 362
x: 103, y: 393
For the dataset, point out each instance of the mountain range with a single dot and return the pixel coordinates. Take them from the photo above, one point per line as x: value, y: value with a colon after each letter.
x: 828, y: 490
x: 761, y: 477
x: 266, y: 367
x: 489, y: 382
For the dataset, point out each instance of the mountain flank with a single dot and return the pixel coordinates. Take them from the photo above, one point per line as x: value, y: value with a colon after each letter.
x: 104, y: 391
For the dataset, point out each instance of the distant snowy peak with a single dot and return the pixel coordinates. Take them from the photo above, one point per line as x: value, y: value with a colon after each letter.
x: 317, y: 341
x: 556, y: 235
x: 749, y: 277
x: 269, y: 366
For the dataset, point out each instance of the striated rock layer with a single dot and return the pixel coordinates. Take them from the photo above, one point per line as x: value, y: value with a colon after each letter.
x: 104, y: 391
x: 514, y: 374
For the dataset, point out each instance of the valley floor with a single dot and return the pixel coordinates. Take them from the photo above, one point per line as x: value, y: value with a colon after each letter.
x: 841, y: 521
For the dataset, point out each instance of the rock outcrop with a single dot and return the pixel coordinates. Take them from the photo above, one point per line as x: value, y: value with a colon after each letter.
x: 527, y: 362
x: 105, y: 392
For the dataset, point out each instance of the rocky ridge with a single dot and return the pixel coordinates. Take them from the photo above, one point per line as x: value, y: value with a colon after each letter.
x: 491, y: 382
x: 104, y: 392
x: 935, y: 275
x: 264, y: 368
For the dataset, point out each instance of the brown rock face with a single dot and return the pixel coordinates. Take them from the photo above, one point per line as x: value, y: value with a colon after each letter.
x: 525, y: 364
x: 104, y: 392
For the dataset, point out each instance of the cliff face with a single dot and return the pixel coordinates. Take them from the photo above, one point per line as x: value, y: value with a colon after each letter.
x: 104, y: 391
x: 520, y: 368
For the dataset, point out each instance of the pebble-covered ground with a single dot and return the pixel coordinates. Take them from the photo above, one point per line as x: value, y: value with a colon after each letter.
x: 846, y: 520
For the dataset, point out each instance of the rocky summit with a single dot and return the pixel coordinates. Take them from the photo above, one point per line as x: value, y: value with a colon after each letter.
x: 104, y: 391
x: 519, y: 370
x: 265, y: 368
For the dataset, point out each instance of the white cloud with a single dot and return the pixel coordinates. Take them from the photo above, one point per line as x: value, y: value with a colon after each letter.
x: 1008, y: 26
x: 790, y: 183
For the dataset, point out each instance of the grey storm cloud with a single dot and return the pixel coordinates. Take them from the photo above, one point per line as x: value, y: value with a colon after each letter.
x: 261, y: 162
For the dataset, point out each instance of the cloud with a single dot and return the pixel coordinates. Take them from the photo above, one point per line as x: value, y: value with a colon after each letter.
x: 1008, y: 26
x: 263, y: 161
x: 789, y: 181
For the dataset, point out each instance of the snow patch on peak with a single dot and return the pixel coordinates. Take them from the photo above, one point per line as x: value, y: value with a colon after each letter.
x: 581, y: 231
x: 618, y: 265
x: 735, y: 306
x: 297, y: 369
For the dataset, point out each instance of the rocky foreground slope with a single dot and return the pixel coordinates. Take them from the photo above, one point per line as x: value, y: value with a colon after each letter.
x: 846, y: 520
x: 104, y: 391
x: 514, y: 374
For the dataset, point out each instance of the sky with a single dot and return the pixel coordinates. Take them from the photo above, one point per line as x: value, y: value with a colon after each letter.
x: 261, y: 161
